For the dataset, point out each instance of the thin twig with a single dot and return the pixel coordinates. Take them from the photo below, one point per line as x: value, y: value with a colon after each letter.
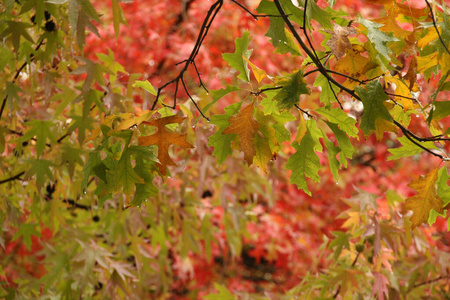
x: 255, y: 16
x: 400, y: 96
x: 430, y: 281
x: 303, y: 111
x: 256, y: 94
x: 410, y: 136
x: 190, y: 97
x: 304, y: 30
x: 15, y: 177
x: 435, y: 26
x: 210, y: 16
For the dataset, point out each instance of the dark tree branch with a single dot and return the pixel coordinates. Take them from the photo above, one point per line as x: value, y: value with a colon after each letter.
x: 435, y: 26
x: 304, y: 111
x: 210, y: 16
x: 256, y: 94
x: 15, y: 177
x: 325, y: 72
x: 413, y: 138
x: 430, y: 281
x: 190, y: 97
x: 255, y: 16
x: 306, y: 33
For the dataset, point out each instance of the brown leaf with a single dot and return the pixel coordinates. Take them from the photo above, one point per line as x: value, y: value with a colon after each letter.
x: 245, y: 126
x: 163, y: 139
x: 339, y: 41
x: 425, y: 200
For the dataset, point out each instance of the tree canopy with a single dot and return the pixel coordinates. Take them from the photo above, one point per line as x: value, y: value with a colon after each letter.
x: 224, y: 149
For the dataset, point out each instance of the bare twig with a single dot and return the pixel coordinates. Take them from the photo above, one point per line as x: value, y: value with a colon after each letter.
x: 256, y: 94
x: 414, y: 139
x: 210, y: 16
x: 15, y: 177
x: 303, y: 111
x: 435, y: 26
x: 255, y: 16
x: 430, y: 281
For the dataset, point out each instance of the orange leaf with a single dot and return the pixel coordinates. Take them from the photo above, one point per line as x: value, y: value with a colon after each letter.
x: 245, y: 126
x: 163, y: 139
x: 425, y: 200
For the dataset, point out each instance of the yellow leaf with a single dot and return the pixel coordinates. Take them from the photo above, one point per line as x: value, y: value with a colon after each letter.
x: 444, y: 63
x: 301, y: 131
x: 390, y: 25
x: 353, y: 221
x: 382, y: 126
x: 163, y: 139
x: 259, y: 73
x: 245, y: 126
x: 426, y: 62
x: 431, y: 36
x: 425, y: 200
x: 401, y: 89
x: 263, y: 154
x: 354, y: 65
x: 136, y: 120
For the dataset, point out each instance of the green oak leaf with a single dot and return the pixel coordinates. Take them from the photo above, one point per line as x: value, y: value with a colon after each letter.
x: 326, y: 94
x: 293, y: 86
x: 373, y: 97
x: 146, y: 85
x: 408, y: 148
x: 218, y: 94
x: 304, y: 163
x: 276, y: 30
x: 340, y: 118
x: 289, y: 45
x: 222, y: 142
x: 236, y: 60
x: 378, y: 38
x: 441, y: 110
x: 443, y: 189
x: 344, y: 143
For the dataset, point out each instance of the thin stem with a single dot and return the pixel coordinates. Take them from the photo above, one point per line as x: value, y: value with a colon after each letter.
x: 303, y: 111
x: 430, y: 281
x: 15, y: 177
x: 435, y: 26
x: 198, y: 108
x: 410, y: 136
x: 210, y: 16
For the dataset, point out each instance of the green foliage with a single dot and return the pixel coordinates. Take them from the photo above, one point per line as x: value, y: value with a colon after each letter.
x: 105, y: 192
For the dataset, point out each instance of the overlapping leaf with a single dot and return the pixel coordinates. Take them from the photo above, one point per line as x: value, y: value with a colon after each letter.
x: 163, y: 139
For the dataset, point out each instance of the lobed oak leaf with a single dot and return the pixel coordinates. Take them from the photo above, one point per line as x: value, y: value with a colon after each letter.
x: 339, y: 42
x: 245, y: 126
x: 163, y: 139
x: 390, y: 25
x: 425, y: 200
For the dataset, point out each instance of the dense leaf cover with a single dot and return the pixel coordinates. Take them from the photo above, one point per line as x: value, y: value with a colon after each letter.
x: 224, y: 149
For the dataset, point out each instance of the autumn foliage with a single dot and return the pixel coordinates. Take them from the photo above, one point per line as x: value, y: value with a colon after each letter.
x: 224, y: 149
